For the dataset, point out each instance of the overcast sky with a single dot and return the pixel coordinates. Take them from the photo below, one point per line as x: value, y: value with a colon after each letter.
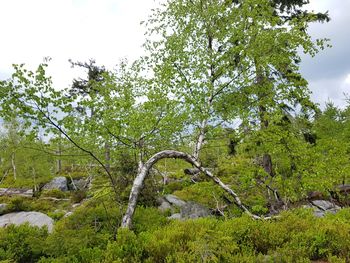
x: 109, y: 30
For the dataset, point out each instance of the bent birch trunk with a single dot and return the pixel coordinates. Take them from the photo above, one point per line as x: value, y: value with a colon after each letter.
x: 143, y: 172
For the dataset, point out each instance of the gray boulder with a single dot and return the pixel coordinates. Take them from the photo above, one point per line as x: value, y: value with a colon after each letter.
x: 175, y: 216
x: 164, y: 206
x: 193, y: 210
x: 324, y: 205
x: 321, y: 207
x: 79, y: 184
x: 32, y: 218
x: 174, y: 200
x: 58, y: 183
x: 3, y: 208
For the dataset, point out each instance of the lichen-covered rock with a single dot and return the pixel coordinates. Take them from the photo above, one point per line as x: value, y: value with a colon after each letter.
x: 174, y: 200
x: 175, y: 216
x: 321, y: 207
x: 79, y: 184
x: 58, y: 183
x: 164, y: 206
x: 324, y: 205
x: 32, y: 218
x: 194, y: 210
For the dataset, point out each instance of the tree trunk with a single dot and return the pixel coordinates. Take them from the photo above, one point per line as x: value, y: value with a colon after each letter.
x: 139, y: 180
x: 200, y: 139
x: 267, y: 164
x: 34, y: 180
x: 13, y: 163
x: 264, y: 123
x: 59, y: 163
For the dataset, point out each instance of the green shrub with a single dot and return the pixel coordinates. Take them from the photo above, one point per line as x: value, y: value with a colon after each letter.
x: 22, y: 243
x: 85, y: 233
x: 88, y: 236
x: 44, y: 206
x: 174, y: 186
x: 148, y: 219
x: 127, y: 248
x: 57, y: 215
x: 206, y: 193
x: 78, y: 196
x: 55, y: 193
x: 19, y: 203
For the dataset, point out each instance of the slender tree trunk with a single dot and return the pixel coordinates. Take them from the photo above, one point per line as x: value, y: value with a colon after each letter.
x: 139, y: 181
x: 266, y: 159
x: 58, y: 163
x: 13, y: 163
x: 34, y: 179
x: 264, y: 123
x: 207, y: 108
x: 267, y: 164
x: 5, y: 174
x: 200, y: 139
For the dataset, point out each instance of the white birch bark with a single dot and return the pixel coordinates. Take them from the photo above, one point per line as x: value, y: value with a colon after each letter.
x: 143, y: 172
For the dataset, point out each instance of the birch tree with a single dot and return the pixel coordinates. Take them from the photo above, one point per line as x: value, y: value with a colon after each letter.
x: 210, y: 50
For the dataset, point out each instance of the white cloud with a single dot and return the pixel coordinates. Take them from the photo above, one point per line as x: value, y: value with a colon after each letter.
x: 331, y: 89
x: 328, y: 70
x: 347, y: 79
x: 106, y: 30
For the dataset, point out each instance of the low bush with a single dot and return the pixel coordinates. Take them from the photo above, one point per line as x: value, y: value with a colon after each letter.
x: 87, y: 236
x: 78, y: 196
x: 22, y: 243
x: 55, y: 193
x: 19, y: 203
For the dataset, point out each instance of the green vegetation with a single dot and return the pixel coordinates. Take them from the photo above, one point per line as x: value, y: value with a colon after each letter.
x: 297, y: 236
x: 216, y: 113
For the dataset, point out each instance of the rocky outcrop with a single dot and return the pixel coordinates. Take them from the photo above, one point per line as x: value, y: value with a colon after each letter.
x: 175, y: 216
x: 188, y: 210
x: 164, y: 206
x: 192, y: 210
x: 16, y: 192
x: 77, y: 184
x: 174, y: 200
x: 58, y: 183
x: 32, y: 218
x: 321, y: 207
